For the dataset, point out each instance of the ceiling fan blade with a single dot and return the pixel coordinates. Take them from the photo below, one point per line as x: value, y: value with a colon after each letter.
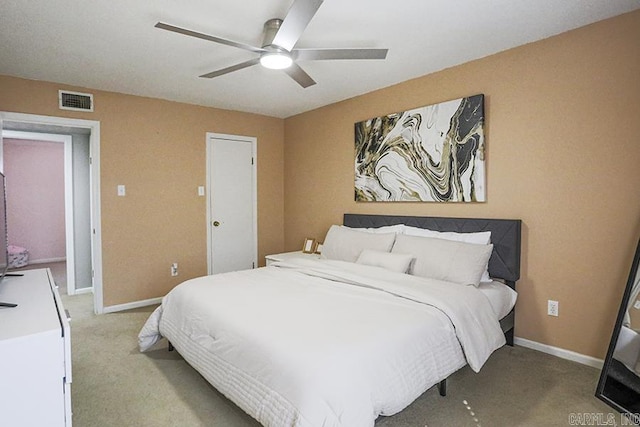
x: 327, y: 54
x: 231, y: 69
x: 299, y: 75
x: 293, y: 25
x: 191, y: 33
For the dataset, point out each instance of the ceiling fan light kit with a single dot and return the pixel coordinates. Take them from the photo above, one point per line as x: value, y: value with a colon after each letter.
x: 276, y: 60
x: 277, y: 51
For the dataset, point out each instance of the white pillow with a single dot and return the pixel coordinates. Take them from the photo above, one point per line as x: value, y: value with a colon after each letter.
x: 480, y: 238
x: 346, y: 244
x: 384, y: 229
x: 441, y: 259
x: 399, y: 263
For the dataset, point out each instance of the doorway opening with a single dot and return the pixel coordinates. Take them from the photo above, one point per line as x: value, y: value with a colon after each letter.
x: 81, y: 139
x: 44, y: 218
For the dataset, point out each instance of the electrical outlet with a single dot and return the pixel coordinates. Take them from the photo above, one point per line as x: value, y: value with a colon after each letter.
x: 552, y: 308
x: 174, y: 269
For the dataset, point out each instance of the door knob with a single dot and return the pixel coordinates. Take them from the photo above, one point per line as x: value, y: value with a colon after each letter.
x: 216, y: 223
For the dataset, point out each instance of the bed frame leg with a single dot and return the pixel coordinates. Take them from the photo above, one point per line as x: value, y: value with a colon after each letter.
x: 171, y: 348
x: 442, y: 387
x: 509, y: 337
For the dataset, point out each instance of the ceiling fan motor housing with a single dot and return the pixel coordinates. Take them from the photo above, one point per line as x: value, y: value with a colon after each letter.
x: 271, y: 28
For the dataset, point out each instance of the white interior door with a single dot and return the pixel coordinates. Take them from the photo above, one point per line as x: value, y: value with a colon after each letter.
x: 232, y: 213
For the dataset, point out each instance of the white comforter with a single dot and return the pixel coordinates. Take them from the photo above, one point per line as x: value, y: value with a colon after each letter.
x: 310, y: 343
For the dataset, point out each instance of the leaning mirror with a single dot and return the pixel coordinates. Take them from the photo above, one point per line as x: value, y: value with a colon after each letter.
x: 619, y: 384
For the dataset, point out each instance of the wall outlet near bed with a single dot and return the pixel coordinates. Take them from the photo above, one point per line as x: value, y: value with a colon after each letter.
x: 174, y: 269
x: 552, y: 308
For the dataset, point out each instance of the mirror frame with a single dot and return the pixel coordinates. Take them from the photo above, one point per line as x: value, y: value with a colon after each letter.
x: 634, y: 417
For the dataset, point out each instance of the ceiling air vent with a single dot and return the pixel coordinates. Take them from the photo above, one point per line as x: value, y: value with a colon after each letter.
x: 75, y: 101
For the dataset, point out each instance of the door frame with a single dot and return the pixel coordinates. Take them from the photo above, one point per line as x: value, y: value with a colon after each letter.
x: 210, y: 137
x: 68, y: 194
x: 94, y: 143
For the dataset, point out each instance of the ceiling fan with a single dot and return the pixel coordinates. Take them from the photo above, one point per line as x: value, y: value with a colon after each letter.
x: 280, y: 37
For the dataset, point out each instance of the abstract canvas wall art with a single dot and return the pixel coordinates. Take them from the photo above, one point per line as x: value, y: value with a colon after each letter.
x: 429, y: 154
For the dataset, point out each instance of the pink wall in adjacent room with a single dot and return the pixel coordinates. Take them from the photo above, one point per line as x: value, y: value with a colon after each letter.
x: 35, y: 197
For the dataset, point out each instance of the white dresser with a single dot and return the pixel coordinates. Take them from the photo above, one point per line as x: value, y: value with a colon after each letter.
x: 35, y: 353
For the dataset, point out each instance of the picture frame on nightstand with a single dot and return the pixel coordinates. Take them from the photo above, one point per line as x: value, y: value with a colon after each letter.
x: 309, y: 245
x: 318, y: 248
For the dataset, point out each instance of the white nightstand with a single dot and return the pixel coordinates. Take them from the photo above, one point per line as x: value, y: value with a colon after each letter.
x: 288, y: 255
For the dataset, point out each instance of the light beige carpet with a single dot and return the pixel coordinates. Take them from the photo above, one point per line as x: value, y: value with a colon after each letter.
x: 116, y: 385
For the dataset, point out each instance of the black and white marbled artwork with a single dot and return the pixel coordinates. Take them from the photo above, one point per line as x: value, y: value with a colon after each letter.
x: 429, y: 154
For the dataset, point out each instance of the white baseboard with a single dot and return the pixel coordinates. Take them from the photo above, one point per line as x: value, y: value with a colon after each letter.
x: 130, y: 305
x: 86, y: 290
x: 560, y: 352
x: 46, y: 260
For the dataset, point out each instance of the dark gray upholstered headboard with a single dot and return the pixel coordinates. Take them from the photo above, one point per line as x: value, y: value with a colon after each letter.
x: 505, y: 236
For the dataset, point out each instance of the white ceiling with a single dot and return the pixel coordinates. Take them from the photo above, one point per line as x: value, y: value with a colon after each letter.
x: 113, y: 45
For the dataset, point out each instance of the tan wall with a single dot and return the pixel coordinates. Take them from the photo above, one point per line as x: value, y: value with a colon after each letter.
x: 563, y: 155
x: 157, y: 149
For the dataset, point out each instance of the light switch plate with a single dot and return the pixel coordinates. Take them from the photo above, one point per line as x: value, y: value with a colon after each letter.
x: 201, y: 190
x: 121, y: 190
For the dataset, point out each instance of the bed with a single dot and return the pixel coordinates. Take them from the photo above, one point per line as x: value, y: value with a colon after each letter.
x: 336, y: 342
